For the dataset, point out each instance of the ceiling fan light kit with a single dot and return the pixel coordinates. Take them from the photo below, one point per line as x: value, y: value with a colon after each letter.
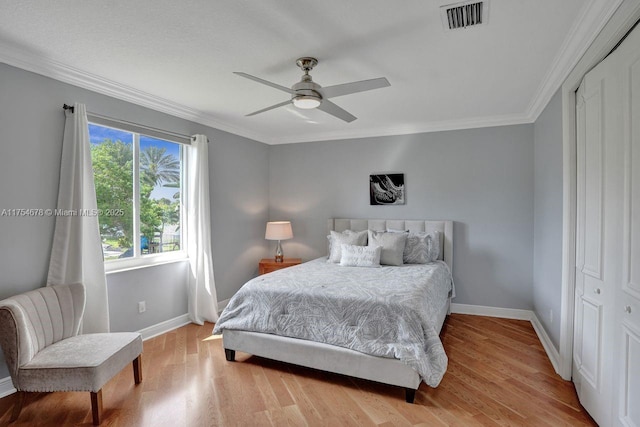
x: 306, y: 94
x: 307, y: 102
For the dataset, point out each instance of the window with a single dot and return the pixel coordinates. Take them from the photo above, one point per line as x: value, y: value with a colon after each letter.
x: 139, y: 189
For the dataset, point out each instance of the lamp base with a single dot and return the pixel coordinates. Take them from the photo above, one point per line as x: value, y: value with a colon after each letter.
x: 279, y: 255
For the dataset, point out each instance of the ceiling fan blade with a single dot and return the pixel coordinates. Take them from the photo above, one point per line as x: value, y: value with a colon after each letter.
x: 354, y: 87
x: 264, y: 82
x: 282, y: 104
x: 331, y: 108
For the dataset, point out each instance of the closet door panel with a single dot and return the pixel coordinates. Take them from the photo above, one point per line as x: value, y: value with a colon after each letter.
x: 591, y: 341
x: 630, y: 390
x: 631, y: 251
x: 593, y: 179
x: 598, y: 240
x: 628, y: 298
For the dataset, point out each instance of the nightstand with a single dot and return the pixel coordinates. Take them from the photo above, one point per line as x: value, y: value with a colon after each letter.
x: 267, y: 265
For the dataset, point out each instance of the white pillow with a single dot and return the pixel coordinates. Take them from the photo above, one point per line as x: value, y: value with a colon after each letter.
x: 360, y: 256
x: 347, y: 237
x: 392, y: 246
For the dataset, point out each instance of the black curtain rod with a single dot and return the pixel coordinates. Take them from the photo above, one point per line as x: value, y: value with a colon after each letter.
x: 187, y: 137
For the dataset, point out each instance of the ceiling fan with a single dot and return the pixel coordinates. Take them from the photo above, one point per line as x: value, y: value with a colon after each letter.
x: 307, y: 94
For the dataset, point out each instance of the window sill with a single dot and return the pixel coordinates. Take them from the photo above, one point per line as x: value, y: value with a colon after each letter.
x: 120, y: 266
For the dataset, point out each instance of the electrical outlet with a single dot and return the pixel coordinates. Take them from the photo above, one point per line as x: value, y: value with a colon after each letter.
x: 550, y: 316
x: 142, y: 307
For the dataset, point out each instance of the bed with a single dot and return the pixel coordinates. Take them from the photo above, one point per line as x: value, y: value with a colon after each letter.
x: 361, y: 351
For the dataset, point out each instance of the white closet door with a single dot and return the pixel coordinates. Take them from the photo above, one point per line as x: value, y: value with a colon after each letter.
x: 627, y: 61
x: 607, y: 298
x: 596, y: 247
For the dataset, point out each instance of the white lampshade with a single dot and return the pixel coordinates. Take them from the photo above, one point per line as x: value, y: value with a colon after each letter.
x: 278, y: 230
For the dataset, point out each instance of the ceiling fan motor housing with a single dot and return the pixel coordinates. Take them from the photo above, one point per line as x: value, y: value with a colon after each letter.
x: 307, y: 93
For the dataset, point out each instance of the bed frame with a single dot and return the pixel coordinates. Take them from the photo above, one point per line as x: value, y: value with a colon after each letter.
x: 340, y: 360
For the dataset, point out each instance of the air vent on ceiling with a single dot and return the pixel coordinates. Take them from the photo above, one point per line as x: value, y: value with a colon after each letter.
x: 464, y: 15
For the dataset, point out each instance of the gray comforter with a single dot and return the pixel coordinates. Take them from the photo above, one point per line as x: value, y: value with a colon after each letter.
x: 387, y: 312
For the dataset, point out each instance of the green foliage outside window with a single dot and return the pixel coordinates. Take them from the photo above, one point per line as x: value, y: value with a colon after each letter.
x: 113, y: 174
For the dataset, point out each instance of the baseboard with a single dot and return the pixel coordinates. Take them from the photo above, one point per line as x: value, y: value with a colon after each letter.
x: 552, y: 353
x: 481, y: 310
x: 163, y: 327
x: 6, y: 387
x: 518, y: 314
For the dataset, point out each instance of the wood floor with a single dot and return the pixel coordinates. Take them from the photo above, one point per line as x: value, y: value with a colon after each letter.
x: 498, y: 375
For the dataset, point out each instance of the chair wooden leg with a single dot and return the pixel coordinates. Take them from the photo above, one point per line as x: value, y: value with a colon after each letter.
x: 137, y: 369
x: 17, y: 407
x: 96, y: 406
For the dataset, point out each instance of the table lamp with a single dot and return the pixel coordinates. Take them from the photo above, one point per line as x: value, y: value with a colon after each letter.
x: 278, y: 230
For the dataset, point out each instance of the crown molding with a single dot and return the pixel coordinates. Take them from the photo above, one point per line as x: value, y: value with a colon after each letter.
x: 472, y: 123
x: 582, y: 34
x: 56, y: 70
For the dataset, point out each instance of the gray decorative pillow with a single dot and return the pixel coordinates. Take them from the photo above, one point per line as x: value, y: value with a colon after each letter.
x: 348, y: 237
x: 422, y: 248
x: 392, y: 246
x: 344, y: 232
x: 436, y: 246
x: 360, y: 256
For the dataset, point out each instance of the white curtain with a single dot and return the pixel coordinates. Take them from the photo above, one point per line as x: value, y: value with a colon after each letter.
x: 203, y: 303
x: 76, y: 255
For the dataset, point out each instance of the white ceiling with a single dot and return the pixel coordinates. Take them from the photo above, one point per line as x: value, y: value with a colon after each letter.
x: 178, y: 57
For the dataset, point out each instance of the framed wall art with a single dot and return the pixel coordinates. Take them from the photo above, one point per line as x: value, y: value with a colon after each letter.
x: 387, y: 189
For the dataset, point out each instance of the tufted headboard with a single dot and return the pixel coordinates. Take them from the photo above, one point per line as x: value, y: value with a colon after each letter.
x: 444, y: 227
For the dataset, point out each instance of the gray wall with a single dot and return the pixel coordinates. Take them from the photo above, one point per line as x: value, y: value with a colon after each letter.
x: 481, y: 178
x: 547, y: 240
x: 31, y: 129
x: 161, y: 287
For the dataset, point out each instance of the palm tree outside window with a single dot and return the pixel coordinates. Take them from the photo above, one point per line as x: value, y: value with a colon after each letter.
x: 138, y: 217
